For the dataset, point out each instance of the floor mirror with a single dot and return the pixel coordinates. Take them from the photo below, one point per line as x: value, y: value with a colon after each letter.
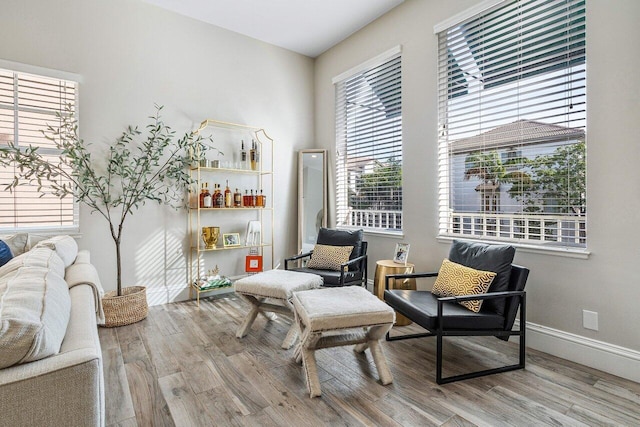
x: 312, y: 196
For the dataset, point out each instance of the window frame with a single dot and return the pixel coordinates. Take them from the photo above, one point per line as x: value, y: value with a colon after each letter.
x: 345, y: 216
x: 19, y: 69
x: 445, y: 179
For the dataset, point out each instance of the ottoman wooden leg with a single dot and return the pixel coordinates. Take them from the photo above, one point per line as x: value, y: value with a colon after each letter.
x: 374, y: 336
x: 291, y: 337
x: 243, y: 329
x: 381, y: 362
x: 308, y: 353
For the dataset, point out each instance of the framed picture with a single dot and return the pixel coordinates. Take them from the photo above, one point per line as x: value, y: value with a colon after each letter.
x: 253, y: 263
x: 402, y: 253
x: 231, y: 239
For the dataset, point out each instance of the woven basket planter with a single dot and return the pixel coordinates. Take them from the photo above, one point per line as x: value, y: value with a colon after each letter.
x: 130, y: 307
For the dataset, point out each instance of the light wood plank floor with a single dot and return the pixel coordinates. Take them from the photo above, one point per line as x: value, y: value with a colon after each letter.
x: 184, y: 366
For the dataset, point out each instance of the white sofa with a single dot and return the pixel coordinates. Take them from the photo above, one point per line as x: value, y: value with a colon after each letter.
x: 67, y: 387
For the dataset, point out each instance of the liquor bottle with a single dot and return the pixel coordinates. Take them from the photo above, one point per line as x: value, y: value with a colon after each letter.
x: 254, y: 198
x: 257, y: 156
x: 207, y: 202
x: 252, y: 155
x: 218, y: 198
x: 243, y: 157
x: 237, y: 199
x: 262, y: 200
x: 246, y: 200
x: 201, y: 197
x: 228, y: 199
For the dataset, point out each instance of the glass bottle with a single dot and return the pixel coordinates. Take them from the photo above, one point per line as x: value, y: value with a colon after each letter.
x: 218, y: 198
x: 201, y: 197
x: 252, y: 155
x: 243, y: 157
x: 228, y: 198
x: 237, y: 199
x: 207, y: 202
x: 262, y: 200
x: 254, y: 198
x: 246, y: 200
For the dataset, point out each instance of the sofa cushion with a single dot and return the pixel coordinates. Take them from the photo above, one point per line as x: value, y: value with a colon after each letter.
x: 18, y: 243
x: 5, y: 253
x: 480, y: 256
x: 34, y: 308
x: 65, y: 246
x: 456, y: 280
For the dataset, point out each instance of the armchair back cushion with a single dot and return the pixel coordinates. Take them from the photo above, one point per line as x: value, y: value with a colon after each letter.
x: 480, y: 256
x: 333, y: 237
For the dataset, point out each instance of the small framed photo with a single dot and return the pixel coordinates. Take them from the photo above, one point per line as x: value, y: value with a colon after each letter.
x: 402, y: 253
x: 253, y: 263
x: 231, y: 239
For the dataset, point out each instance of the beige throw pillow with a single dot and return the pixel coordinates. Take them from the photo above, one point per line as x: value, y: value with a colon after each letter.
x: 457, y: 280
x: 327, y: 257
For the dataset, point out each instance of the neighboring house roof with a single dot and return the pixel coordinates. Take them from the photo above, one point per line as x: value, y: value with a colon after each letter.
x: 520, y: 132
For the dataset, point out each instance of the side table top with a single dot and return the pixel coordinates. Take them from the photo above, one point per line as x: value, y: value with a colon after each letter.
x: 391, y: 263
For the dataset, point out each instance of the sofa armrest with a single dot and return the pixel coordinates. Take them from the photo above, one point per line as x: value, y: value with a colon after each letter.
x: 63, y: 389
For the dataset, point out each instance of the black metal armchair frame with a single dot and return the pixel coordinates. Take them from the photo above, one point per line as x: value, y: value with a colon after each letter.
x: 361, y: 261
x: 440, y: 332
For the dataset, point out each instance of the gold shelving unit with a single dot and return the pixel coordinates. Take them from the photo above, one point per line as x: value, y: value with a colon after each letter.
x: 263, y: 176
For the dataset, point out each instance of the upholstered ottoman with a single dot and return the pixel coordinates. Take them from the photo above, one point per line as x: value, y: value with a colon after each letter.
x: 277, y: 286
x: 333, y: 317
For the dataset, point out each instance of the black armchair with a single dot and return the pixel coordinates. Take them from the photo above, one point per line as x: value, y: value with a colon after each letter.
x: 352, y: 272
x: 444, y: 316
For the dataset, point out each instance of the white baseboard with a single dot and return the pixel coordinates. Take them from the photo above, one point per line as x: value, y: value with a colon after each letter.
x: 611, y: 358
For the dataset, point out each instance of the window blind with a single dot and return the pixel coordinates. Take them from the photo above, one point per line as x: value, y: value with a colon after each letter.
x: 28, y: 103
x: 512, y: 124
x: 369, y: 147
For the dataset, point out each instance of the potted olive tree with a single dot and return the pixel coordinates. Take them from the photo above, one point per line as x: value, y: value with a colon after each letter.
x: 134, y: 170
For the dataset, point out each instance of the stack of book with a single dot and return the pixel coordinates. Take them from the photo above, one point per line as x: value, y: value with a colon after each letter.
x: 218, y: 282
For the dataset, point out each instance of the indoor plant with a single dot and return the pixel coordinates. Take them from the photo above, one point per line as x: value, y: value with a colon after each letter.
x: 133, y: 170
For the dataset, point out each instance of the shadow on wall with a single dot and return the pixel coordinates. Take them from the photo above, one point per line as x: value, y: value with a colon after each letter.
x: 161, y: 266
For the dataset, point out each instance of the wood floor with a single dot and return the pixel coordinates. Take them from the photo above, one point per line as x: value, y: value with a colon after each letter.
x: 184, y: 366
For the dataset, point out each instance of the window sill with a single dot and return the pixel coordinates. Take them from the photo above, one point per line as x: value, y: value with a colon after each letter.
x: 535, y: 249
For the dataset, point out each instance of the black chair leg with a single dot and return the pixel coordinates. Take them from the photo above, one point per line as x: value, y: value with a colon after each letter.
x: 521, y: 357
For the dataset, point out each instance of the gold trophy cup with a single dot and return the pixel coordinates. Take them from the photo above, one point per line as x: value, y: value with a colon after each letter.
x: 210, y: 236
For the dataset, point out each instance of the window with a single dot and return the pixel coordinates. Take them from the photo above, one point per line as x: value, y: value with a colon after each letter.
x: 512, y: 123
x: 28, y: 103
x: 369, y: 145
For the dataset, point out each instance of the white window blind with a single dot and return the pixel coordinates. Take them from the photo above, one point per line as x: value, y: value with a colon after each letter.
x: 28, y: 103
x: 512, y: 124
x: 369, y: 147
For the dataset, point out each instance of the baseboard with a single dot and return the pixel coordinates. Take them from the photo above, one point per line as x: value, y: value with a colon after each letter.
x: 606, y: 357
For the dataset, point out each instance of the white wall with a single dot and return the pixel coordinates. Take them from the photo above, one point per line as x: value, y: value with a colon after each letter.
x: 131, y: 55
x: 559, y: 288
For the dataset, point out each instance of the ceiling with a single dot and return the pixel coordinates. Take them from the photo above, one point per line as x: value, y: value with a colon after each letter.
x: 308, y: 27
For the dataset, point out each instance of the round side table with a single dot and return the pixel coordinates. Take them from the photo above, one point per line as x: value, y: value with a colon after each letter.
x: 387, y: 266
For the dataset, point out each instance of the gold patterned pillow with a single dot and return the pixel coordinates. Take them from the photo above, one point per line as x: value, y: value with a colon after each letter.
x: 456, y: 280
x: 325, y: 257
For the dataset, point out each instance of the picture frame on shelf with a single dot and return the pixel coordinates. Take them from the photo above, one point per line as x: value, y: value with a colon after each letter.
x: 401, y: 253
x: 230, y: 240
x: 253, y: 263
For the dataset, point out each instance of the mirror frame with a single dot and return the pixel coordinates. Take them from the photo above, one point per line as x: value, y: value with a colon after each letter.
x: 301, y: 213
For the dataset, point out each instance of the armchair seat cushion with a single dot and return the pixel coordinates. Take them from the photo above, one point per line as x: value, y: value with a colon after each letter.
x: 422, y: 308
x: 332, y: 278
